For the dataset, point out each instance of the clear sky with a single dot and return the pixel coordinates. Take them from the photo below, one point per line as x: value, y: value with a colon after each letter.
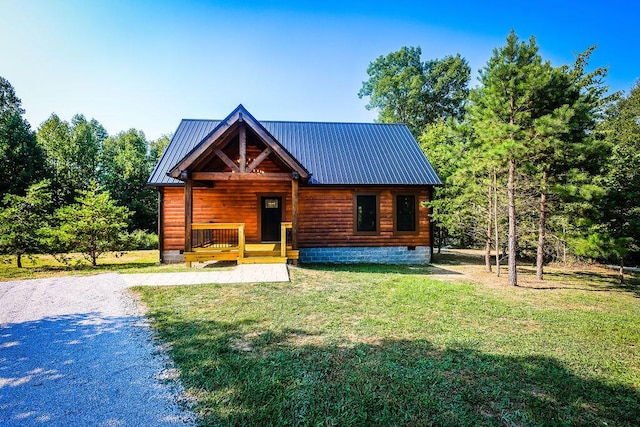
x: 148, y: 64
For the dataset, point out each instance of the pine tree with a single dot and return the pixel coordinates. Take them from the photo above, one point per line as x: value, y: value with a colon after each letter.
x: 502, y: 112
x: 24, y: 220
x: 92, y: 226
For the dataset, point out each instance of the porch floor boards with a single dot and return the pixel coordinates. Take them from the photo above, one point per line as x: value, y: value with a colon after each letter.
x: 254, y: 253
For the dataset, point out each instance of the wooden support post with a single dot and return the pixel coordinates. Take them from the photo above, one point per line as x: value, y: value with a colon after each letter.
x: 243, y: 148
x: 294, y: 212
x: 188, y: 215
x: 161, y: 223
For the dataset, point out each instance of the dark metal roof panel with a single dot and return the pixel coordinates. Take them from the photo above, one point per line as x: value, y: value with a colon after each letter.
x: 334, y: 153
x: 355, y: 153
x: 187, y: 136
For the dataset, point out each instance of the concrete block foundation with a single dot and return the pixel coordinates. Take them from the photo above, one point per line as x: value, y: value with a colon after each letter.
x: 365, y: 254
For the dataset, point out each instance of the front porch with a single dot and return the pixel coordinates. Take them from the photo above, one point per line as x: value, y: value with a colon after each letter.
x: 227, y: 242
x: 240, y: 195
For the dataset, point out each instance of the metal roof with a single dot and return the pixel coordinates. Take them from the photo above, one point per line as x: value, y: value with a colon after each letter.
x: 334, y: 153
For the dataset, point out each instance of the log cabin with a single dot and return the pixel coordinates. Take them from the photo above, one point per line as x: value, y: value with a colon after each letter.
x: 272, y: 191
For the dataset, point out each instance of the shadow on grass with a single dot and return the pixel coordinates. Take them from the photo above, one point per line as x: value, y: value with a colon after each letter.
x: 243, y: 376
x: 591, y: 281
x: 414, y: 270
x: 453, y: 257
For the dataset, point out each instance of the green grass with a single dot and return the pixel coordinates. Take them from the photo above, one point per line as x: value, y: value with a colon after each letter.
x: 381, y: 345
x: 40, y: 266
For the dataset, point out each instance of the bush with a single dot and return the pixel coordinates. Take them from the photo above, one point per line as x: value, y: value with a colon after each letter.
x: 141, y: 240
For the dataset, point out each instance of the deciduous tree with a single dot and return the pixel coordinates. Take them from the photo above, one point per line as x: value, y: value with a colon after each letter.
x: 125, y: 168
x: 72, y: 152
x: 21, y: 160
x: 406, y: 90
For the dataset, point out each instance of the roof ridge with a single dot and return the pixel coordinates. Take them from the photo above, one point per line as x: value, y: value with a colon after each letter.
x: 305, y: 121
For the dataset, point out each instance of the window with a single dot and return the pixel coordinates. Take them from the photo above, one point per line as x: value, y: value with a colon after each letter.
x: 366, y: 214
x: 405, y: 220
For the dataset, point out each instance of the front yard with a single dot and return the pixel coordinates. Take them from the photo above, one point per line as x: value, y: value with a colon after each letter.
x: 378, y: 345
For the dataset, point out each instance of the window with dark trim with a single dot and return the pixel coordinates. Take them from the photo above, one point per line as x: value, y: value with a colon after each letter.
x: 406, y: 213
x: 366, y: 215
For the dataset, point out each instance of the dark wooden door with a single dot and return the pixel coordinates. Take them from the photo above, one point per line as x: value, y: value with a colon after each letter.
x: 271, y: 216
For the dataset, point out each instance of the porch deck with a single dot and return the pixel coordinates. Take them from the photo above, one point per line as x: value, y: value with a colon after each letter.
x: 226, y: 242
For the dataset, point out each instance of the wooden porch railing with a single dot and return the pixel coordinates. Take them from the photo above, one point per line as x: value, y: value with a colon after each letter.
x: 218, y: 236
x: 285, y: 237
x: 226, y: 241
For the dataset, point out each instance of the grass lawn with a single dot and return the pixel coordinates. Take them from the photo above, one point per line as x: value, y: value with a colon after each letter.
x: 46, y: 265
x: 380, y: 345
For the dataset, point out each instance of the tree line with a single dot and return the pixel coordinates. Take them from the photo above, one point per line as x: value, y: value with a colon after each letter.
x: 538, y: 162
x: 70, y: 186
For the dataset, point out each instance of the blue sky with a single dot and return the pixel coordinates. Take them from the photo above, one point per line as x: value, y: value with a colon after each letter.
x: 148, y: 64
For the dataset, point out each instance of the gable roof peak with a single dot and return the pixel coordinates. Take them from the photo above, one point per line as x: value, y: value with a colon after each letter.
x: 239, y: 115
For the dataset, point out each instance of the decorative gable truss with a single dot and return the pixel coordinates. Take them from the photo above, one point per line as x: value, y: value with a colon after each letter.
x: 239, y: 148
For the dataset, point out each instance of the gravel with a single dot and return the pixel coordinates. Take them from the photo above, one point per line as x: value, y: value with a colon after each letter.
x: 77, y: 351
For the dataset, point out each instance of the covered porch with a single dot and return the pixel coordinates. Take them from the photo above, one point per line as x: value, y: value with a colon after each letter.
x: 240, y: 195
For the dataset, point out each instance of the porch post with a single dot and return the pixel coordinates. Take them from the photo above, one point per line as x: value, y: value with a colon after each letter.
x: 188, y: 213
x: 161, y: 223
x: 294, y: 211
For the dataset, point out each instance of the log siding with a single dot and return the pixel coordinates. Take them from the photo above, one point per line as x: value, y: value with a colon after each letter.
x: 325, y: 213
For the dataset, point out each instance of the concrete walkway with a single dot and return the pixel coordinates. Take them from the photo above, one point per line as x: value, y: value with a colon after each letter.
x: 243, y: 273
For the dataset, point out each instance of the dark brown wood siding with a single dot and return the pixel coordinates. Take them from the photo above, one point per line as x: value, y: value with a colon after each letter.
x: 226, y: 202
x: 325, y: 219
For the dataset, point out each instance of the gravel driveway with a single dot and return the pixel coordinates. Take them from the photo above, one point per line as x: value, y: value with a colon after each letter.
x: 76, y: 351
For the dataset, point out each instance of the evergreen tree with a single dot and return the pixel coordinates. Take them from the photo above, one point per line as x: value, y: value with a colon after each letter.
x: 567, y: 109
x: 24, y: 220
x: 612, y: 230
x: 503, y: 111
x: 92, y: 226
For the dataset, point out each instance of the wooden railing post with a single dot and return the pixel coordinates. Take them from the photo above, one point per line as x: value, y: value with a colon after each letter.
x: 241, y: 241
x: 283, y: 239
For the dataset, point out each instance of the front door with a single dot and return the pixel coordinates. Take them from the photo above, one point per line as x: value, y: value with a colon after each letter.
x: 271, y: 216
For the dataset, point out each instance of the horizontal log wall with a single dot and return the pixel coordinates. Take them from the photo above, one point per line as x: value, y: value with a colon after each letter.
x: 325, y: 217
x: 225, y: 202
